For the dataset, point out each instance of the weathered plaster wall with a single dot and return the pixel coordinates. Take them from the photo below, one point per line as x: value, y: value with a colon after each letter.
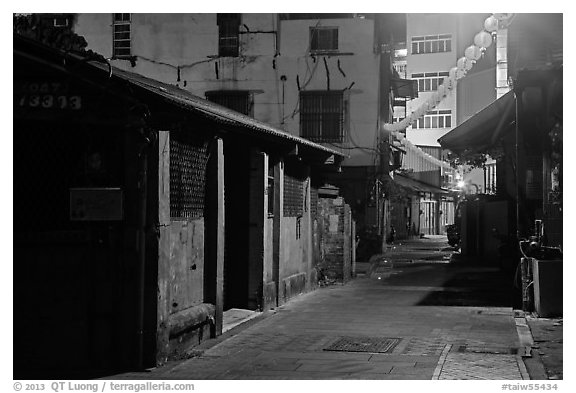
x: 360, y: 66
x: 183, y: 319
x: 269, y: 49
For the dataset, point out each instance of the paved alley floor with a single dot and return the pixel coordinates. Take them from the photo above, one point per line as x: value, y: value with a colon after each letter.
x: 414, y: 316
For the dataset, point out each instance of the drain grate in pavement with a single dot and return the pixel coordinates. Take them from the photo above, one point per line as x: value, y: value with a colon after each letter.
x: 364, y: 344
x: 487, y: 350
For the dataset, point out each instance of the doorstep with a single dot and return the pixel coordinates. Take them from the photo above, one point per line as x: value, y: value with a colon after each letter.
x: 237, y: 316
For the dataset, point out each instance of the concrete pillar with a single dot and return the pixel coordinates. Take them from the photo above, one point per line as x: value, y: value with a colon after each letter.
x: 163, y: 305
x: 502, y: 63
x: 214, y: 234
x: 257, y: 215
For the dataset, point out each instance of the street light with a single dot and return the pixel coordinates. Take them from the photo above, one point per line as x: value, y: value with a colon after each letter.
x: 464, y: 186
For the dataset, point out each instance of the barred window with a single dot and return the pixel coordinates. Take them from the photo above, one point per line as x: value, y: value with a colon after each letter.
x: 293, y: 196
x: 432, y: 44
x: 61, y: 21
x: 188, y: 160
x: 323, y: 39
x: 270, y: 190
x: 429, y: 81
x: 228, y: 34
x: 238, y: 100
x: 324, y: 115
x: 121, y: 44
x: 434, y: 119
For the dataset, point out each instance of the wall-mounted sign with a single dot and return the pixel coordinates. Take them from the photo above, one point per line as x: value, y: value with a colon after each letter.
x: 96, y: 204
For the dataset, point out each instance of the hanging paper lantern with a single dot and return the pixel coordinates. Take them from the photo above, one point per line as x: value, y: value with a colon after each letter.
x: 491, y: 24
x: 473, y: 52
x: 501, y: 16
x: 464, y: 64
x: 483, y: 39
x: 441, y: 90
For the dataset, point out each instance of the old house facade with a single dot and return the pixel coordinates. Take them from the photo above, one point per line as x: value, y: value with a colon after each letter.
x: 160, y: 211
x: 324, y: 77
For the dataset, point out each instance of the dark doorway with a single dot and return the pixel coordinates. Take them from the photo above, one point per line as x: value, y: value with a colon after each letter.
x: 236, y: 207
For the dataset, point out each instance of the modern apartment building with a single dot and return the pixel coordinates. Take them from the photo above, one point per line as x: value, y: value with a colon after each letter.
x: 432, y: 46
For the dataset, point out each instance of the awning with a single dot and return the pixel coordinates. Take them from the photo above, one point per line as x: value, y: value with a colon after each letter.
x: 415, y: 185
x: 406, y: 88
x: 482, y: 130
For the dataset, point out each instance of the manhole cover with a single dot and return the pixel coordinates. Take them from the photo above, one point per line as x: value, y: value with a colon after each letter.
x: 364, y: 344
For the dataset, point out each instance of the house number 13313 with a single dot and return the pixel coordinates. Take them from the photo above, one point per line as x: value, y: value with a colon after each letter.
x: 51, y: 101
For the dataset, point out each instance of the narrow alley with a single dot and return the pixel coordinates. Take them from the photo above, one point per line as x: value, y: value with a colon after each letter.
x: 416, y: 313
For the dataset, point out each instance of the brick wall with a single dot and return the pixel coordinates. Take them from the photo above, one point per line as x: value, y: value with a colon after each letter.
x: 334, y: 228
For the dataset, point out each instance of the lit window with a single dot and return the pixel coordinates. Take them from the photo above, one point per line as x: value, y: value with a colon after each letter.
x: 434, y: 119
x: 432, y: 44
x: 430, y: 80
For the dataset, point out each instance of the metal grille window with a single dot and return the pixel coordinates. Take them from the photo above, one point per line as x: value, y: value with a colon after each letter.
x: 237, y: 100
x: 270, y: 190
x: 60, y: 21
x: 323, y: 116
x: 432, y: 44
x: 323, y: 39
x: 429, y: 81
x: 313, y: 201
x: 121, y: 26
x: 188, y: 161
x: 434, y: 119
x: 293, y: 197
x: 228, y: 34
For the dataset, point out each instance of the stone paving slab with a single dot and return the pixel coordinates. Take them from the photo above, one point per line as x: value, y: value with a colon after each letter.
x: 478, y: 366
x: 289, y: 343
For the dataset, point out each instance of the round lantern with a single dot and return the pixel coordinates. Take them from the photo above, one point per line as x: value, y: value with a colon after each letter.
x: 473, y: 53
x: 441, y: 90
x: 491, y: 24
x: 502, y: 16
x: 483, y: 39
x: 464, y: 64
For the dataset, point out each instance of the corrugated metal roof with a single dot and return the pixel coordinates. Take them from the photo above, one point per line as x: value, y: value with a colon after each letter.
x: 209, y: 109
x: 415, y: 185
x: 183, y: 98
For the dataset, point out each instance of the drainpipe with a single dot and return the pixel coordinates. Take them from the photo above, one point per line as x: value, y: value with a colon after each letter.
x: 141, y: 238
x: 517, y: 150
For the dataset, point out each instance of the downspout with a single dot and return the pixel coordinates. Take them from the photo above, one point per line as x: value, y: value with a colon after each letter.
x: 516, y: 150
x: 141, y: 237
